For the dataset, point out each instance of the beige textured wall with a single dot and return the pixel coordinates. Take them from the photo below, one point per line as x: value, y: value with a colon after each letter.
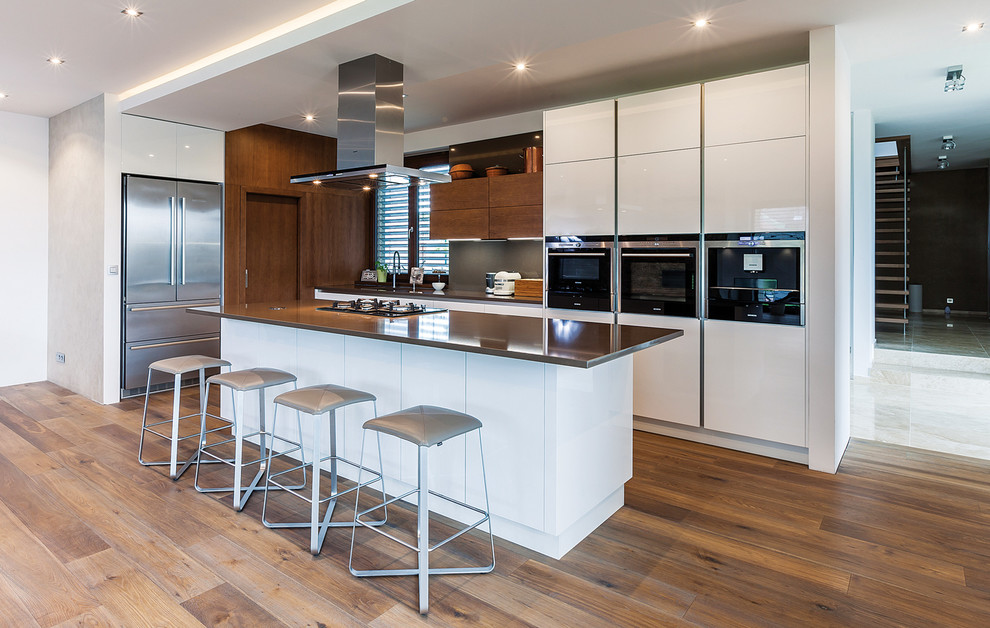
x: 76, y: 238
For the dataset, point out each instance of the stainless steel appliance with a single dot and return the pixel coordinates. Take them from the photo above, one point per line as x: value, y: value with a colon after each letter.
x: 505, y: 283
x: 390, y: 308
x: 172, y: 261
x: 579, y: 272
x: 658, y: 274
x: 756, y: 277
x: 490, y: 282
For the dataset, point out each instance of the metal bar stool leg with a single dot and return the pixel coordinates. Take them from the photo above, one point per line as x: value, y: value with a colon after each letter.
x: 423, y: 530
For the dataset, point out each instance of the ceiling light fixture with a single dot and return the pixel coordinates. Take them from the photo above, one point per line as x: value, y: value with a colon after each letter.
x: 56, y: 60
x: 972, y: 28
x: 943, y: 162
x: 703, y: 22
x: 948, y: 143
x: 309, y: 117
x: 3, y: 95
x: 132, y: 12
x: 954, y: 79
x: 520, y: 66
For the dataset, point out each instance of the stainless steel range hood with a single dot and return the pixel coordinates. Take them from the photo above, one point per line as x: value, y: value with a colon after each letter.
x: 370, y: 127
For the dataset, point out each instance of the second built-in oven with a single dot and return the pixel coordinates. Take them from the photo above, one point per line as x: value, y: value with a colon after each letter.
x: 579, y: 272
x: 658, y: 274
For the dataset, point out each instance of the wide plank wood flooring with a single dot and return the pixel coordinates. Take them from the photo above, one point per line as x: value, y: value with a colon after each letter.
x: 708, y: 537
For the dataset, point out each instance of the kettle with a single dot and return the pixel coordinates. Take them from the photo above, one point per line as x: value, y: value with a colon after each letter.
x: 505, y: 283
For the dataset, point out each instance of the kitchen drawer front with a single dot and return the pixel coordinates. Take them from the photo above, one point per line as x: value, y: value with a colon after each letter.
x: 138, y: 355
x: 472, y: 193
x: 524, y: 221
x: 453, y: 224
x: 148, y: 321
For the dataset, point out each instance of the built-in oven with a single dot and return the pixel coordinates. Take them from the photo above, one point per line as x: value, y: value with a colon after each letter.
x: 756, y: 277
x: 658, y: 274
x: 579, y: 272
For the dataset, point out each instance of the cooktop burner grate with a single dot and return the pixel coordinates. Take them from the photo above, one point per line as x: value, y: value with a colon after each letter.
x: 390, y: 308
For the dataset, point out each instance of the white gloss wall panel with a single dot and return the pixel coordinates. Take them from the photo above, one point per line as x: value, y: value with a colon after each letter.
x: 531, y: 311
x: 758, y: 186
x: 761, y: 106
x: 199, y: 153
x: 579, y: 133
x: 374, y: 366
x: 660, y: 192
x: 461, y: 306
x: 148, y: 146
x: 667, y: 378
x: 579, y: 198
x: 502, y: 394
x: 755, y: 381
x: 666, y: 120
x: 563, y: 316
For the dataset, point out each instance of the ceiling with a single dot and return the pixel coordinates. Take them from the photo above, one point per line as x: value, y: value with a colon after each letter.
x: 234, y: 63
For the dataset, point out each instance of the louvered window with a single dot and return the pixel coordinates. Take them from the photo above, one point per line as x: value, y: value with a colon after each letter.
x: 393, y: 217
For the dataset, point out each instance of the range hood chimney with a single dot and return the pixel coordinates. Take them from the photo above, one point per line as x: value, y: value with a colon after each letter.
x: 370, y: 128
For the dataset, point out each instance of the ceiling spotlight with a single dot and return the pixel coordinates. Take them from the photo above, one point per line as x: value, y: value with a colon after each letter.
x: 943, y: 162
x: 3, y: 95
x: 132, y: 12
x: 366, y: 188
x: 972, y: 28
x: 56, y: 60
x: 309, y: 117
x: 948, y: 143
x: 520, y: 66
x: 702, y: 23
x: 954, y: 79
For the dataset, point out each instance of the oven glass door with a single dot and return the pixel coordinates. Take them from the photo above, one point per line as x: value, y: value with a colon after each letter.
x: 580, y: 272
x: 659, y: 282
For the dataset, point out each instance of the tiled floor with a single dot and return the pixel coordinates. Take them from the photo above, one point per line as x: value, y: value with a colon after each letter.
x: 929, y: 388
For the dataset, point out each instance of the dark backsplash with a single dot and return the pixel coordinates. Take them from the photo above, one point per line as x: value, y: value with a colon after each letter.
x: 470, y: 260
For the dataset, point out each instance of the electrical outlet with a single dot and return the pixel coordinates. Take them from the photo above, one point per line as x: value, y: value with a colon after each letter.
x: 60, y: 358
x: 949, y: 300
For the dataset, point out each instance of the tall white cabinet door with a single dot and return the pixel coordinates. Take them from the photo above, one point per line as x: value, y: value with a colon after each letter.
x: 667, y: 378
x: 200, y: 153
x: 579, y: 198
x: 761, y: 106
x: 755, y: 381
x: 148, y: 146
x: 660, y: 192
x: 669, y: 119
x: 580, y: 132
x: 757, y: 186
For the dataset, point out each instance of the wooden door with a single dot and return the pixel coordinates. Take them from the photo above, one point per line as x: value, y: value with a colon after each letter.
x: 271, y: 247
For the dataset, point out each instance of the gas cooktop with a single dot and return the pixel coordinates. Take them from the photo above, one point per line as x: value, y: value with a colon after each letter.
x: 390, y: 308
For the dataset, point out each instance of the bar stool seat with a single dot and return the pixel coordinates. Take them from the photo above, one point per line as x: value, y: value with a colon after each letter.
x: 316, y: 401
x: 177, y: 367
x: 423, y: 426
x: 260, y: 379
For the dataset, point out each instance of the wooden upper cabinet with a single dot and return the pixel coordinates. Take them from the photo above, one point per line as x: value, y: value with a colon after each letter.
x: 510, y: 206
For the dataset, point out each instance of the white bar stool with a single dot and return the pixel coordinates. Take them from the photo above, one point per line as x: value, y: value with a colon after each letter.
x: 259, y: 379
x: 423, y: 426
x: 177, y: 366
x: 321, y: 402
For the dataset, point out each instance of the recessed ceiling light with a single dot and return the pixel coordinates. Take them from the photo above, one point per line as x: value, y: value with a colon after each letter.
x: 975, y: 26
x: 317, y: 182
x: 3, y: 95
x: 56, y: 60
x: 520, y: 66
x: 703, y: 22
x: 309, y: 117
x: 366, y: 188
x: 132, y: 12
x: 373, y: 175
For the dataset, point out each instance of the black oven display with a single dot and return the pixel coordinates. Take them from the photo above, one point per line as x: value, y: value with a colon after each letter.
x: 658, y: 276
x: 579, y: 272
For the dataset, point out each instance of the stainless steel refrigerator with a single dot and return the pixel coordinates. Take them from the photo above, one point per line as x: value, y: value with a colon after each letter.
x: 172, y: 261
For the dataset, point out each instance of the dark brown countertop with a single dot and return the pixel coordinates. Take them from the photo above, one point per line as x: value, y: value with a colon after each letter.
x: 427, y: 292
x: 551, y: 341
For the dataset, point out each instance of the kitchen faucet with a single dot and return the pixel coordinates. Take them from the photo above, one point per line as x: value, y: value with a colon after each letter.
x: 395, y: 269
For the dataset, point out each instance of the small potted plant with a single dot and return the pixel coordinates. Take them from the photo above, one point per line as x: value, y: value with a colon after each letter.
x: 382, y: 272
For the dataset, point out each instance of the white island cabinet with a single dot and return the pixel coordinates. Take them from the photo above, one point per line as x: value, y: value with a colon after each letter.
x: 554, y: 396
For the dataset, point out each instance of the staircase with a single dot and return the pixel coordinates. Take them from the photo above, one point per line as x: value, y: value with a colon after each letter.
x: 892, y: 229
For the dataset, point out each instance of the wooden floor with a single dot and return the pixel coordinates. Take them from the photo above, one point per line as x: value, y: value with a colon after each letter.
x: 711, y: 537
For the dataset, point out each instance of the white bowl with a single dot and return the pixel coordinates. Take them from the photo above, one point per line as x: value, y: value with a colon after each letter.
x: 438, y: 285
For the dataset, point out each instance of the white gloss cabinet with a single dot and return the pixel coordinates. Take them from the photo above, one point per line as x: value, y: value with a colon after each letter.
x: 757, y: 186
x: 167, y: 149
x: 760, y: 106
x: 579, y: 198
x: 754, y: 381
x: 660, y: 192
x: 660, y: 121
x: 667, y: 378
x: 579, y: 133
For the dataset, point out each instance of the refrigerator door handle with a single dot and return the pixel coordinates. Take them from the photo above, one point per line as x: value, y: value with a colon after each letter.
x: 171, y: 241
x: 182, y: 239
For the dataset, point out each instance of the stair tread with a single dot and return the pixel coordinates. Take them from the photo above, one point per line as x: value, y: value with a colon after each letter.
x: 893, y: 265
x: 899, y: 278
x: 889, y: 253
x: 891, y: 306
x: 901, y: 292
x: 890, y: 319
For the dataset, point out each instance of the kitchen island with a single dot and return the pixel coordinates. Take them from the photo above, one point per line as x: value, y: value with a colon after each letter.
x: 555, y: 398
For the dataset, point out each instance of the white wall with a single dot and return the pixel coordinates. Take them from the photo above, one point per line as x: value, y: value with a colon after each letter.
x: 79, y: 236
x: 23, y: 247
x: 864, y: 241
x: 443, y: 137
x: 829, y: 234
